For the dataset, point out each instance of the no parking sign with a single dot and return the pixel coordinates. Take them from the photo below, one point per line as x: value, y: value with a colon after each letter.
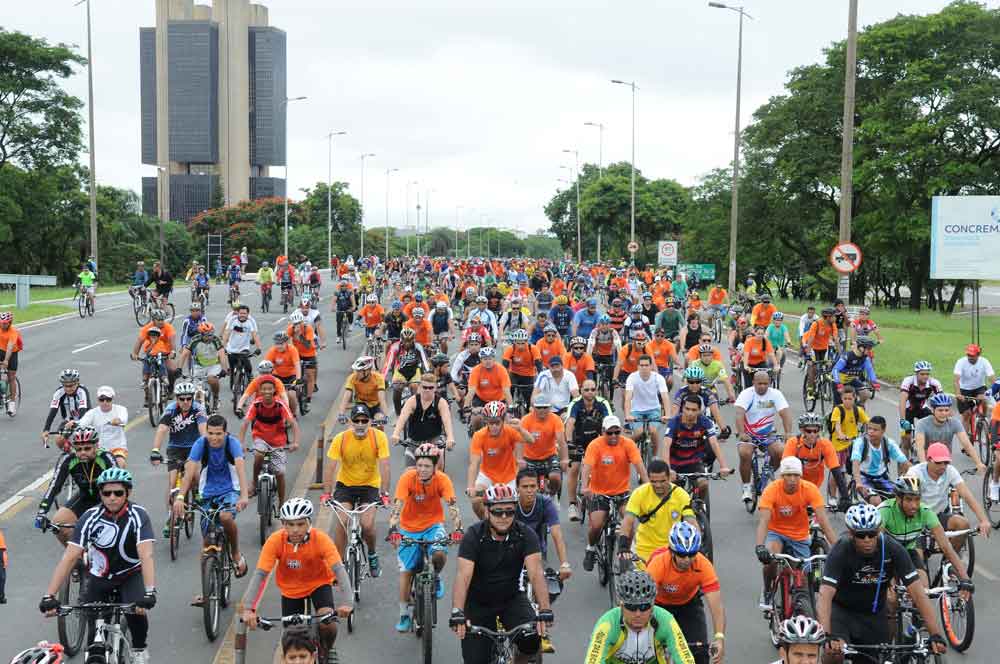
x: 667, y: 252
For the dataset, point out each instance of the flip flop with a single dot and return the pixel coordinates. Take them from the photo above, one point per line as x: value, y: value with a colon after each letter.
x: 241, y: 565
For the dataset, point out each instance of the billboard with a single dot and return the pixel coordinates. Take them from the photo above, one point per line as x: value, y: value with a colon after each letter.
x: 705, y: 271
x: 965, y: 237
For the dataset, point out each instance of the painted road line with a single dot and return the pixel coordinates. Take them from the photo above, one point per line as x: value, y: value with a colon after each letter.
x: 279, y: 321
x: 88, y: 347
x: 67, y: 316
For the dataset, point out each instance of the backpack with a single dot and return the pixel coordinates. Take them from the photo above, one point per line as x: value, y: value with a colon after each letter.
x: 840, y: 408
x: 229, y: 454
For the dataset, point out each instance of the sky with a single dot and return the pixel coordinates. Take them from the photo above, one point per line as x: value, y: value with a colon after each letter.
x: 474, y: 102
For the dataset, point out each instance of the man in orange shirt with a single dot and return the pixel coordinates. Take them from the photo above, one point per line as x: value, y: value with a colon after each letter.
x: 607, y: 469
x: 372, y: 314
x: 664, y: 355
x: 523, y: 362
x: 10, y: 345
x: 784, y: 521
x: 421, y: 326
x: 694, y: 353
x: 546, y: 452
x: 495, y: 453
x: 303, y: 338
x: 817, y: 340
x: 156, y: 337
x: 816, y: 454
x: 758, y: 353
x: 628, y: 357
x: 488, y: 381
x: 550, y: 345
x: 762, y: 312
x: 718, y: 298
x: 416, y: 303
x: 265, y: 368
x: 287, y: 365
x: 579, y: 362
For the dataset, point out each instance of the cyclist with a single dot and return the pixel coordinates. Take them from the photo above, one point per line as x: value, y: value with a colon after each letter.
x: 298, y: 647
x: 189, y: 326
x: 694, y: 385
x: 607, y: 466
x: 914, y: 392
x: 344, y: 304
x: 942, y: 427
x: 816, y: 343
x: 556, y: 385
x: 604, y: 345
x: 864, y: 326
x: 491, y: 558
x: 805, y: 322
x: 495, y: 453
x: 816, y: 454
x: 779, y: 336
x: 523, y: 362
x: 851, y: 367
x: 578, y: 361
x: 800, y: 640
x: 973, y: 373
x: 364, y: 386
x: 651, y: 511
x: 269, y: 421
x: 857, y: 576
x: 476, y: 326
x: 118, y: 536
x: 163, y: 284
x: 784, y: 520
x: 517, y: 317
x: 583, y: 424
x: 265, y: 371
x: 182, y: 423
x: 846, y: 422
x: 938, y: 478
x: 762, y: 312
x: 843, y: 320
x: 86, y: 281
x: 670, y: 320
x: 308, y: 565
x: 359, y: 460
x: 304, y: 340
x: 241, y: 331
x: 685, y: 441
x: 870, y: 456
x: 426, y: 418
x: 547, y: 448
x: 11, y: 344
x: 209, y: 359
x: 637, y: 631
x: 216, y: 459
x: 488, y: 381
x: 683, y: 576
x: 372, y: 314
x: 285, y: 276
x: 286, y: 365
x: 647, y: 399
x: 758, y: 354
x: 561, y: 316
x: 550, y: 345
x: 421, y: 326
x: 541, y: 513
x: 405, y: 362
x: 265, y: 278
x: 757, y: 407
x: 82, y: 465
x: 109, y: 419
x: 139, y: 278
x: 417, y: 514
x: 156, y: 338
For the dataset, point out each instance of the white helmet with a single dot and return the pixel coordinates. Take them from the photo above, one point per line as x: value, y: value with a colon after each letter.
x: 371, y: 299
x: 296, y: 508
x: 296, y: 317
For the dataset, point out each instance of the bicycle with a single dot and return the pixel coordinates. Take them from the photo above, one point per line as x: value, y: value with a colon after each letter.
x: 521, y: 397
x: 5, y: 392
x: 217, y: 569
x: 356, y: 559
x: 992, y: 507
x: 140, y: 296
x: 200, y: 295
x: 606, y: 562
x: 410, y: 445
x: 979, y: 436
x: 887, y: 653
x: 157, y: 387
x: 644, y: 439
x: 761, y: 470
x: 267, y: 496
x: 910, y: 631
x: 343, y: 327
x: 310, y: 621
x: 144, y: 313
x: 605, y: 381
x: 958, y: 616
x: 717, y: 326
x: 823, y: 388
x: 265, y: 298
x: 423, y: 595
x: 503, y: 641
x: 375, y: 347
x: 72, y: 632
x: 186, y: 522
x: 233, y: 294
x: 239, y: 376
x: 542, y: 468
x: 203, y: 392
x: 286, y: 297
x: 84, y: 302
x: 700, y: 505
x: 792, y: 592
x: 108, y: 625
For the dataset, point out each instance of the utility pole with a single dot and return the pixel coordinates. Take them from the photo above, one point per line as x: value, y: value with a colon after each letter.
x: 329, y: 199
x: 847, y: 149
x: 93, y: 157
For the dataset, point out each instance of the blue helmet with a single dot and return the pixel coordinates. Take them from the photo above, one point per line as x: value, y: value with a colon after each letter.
x: 940, y: 400
x: 685, y: 539
x: 604, y: 319
x: 115, y: 476
x: 591, y: 302
x: 863, y: 516
x: 397, y: 304
x: 995, y: 390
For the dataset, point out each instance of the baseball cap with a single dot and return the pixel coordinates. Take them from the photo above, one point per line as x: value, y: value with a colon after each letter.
x: 556, y: 359
x: 790, y: 466
x: 938, y: 452
x: 106, y: 391
x: 541, y: 401
x: 611, y: 421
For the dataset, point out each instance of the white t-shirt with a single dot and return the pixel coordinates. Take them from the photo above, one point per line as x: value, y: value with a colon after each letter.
x: 934, y: 494
x: 560, y: 393
x: 239, y: 340
x: 112, y: 436
x: 761, y: 409
x: 972, y: 376
x: 645, y: 393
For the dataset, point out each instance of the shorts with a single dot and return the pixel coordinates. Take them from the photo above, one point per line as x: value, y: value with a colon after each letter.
x: 399, y: 376
x: 859, y: 627
x: 690, y: 618
x: 599, y: 503
x: 321, y: 598
x: 651, y: 416
x: 820, y: 353
x: 279, y: 455
x: 12, y: 362
x: 666, y: 372
x: 964, y: 405
x: 880, y: 483
x: 943, y: 516
x: 914, y: 414
x: 409, y: 555
x: 844, y: 457
x: 516, y: 611
x: 483, y: 480
x: 211, y: 371
x: 355, y: 495
x: 308, y: 362
x: 522, y: 383
x: 177, y: 457
x: 576, y: 452
x: 228, y: 500
x: 698, y: 466
x: 544, y: 466
x: 797, y: 548
x: 477, y: 402
x: 287, y: 381
x: 80, y: 503
x: 131, y: 589
x: 917, y: 558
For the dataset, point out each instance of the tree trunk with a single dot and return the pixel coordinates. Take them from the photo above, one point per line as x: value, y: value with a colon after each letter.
x: 956, y: 294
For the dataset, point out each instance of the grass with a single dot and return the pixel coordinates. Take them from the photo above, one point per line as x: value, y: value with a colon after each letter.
x: 36, y: 311
x: 909, y: 336
x: 39, y: 293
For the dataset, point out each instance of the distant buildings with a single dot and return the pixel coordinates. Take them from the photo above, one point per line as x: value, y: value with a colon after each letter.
x: 213, y: 90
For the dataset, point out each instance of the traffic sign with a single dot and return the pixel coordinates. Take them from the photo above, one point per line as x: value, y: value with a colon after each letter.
x: 845, y: 257
x: 844, y: 287
x: 705, y: 271
x: 667, y: 252
x: 633, y: 247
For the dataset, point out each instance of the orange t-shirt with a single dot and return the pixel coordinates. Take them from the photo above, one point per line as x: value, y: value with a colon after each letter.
x: 305, y: 341
x: 549, y: 350
x: 558, y: 286
x: 611, y: 465
x: 284, y: 362
x: 761, y: 314
x: 755, y: 350
x: 544, y: 433
x: 422, y: 500
x: 164, y: 344
x: 820, y: 334
x: 995, y: 415
x: 302, y: 568
x: 788, y: 512
x: 662, y: 351
x: 717, y: 296
x: 522, y: 361
x: 372, y: 314
x: 674, y: 587
x: 628, y: 357
x: 814, y: 459
x: 254, y: 386
x: 694, y: 305
x: 411, y: 305
x: 6, y: 336
x: 694, y: 354
x: 579, y: 366
x: 488, y: 384
x: 423, y: 330
x: 497, y: 453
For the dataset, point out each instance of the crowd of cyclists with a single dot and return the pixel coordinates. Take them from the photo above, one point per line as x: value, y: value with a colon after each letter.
x: 595, y: 391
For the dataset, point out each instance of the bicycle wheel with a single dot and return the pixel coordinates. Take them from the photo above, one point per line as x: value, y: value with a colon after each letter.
x: 264, y: 510
x: 210, y: 595
x: 610, y: 561
x: 354, y: 571
x: 90, y: 307
x: 603, y: 565
x: 825, y: 397
x: 174, y: 528
x: 992, y: 508
x: 751, y: 505
x: 958, y: 617
x: 153, y: 388
x: 968, y: 555
x: 809, y: 403
x: 225, y: 574
x: 778, y: 610
x: 142, y: 315
x: 81, y: 305
x: 72, y: 628
x: 136, y: 304
x: 706, y: 531
x: 427, y: 618
x: 189, y: 513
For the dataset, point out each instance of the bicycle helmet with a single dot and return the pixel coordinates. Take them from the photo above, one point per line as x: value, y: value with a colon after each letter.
x: 865, y: 342
x: 940, y: 400
x: 922, y: 365
x: 778, y: 316
x: 474, y: 338
x: 481, y: 299
x: 639, y: 335
x: 206, y: 328
x: 828, y: 311
x: 808, y: 419
x: 280, y: 337
x: 296, y: 508
x: 296, y: 317
x: 85, y: 435
x: 115, y: 476
x: 636, y: 309
x: 736, y: 310
x: 439, y: 360
x: 907, y: 485
x: 69, y: 376
x: 195, y: 306
x: 371, y: 299
x: 419, y: 297
x: 865, y: 310
x: 184, y: 389
x: 495, y: 410
x: 43, y: 653
x: 418, y: 312
x: 550, y: 328
x: 636, y: 587
x: 765, y: 298
x: 577, y: 341
x: 863, y: 516
x: 441, y: 304
x: 6, y: 317
x: 397, y: 305
x: 427, y: 451
x: 685, y: 539
x: 519, y: 336
x: 694, y: 373
x: 801, y: 629
x: 265, y: 367
x: 705, y: 348
x: 486, y: 352
x: 617, y: 302
x: 158, y: 314
x: 500, y: 493
x: 408, y: 333
x: 604, y: 319
x: 305, y: 301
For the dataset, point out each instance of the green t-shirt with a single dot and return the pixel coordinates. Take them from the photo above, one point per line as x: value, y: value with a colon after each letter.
x: 87, y: 278
x: 670, y: 321
x: 265, y: 275
x: 205, y: 351
x: 713, y: 370
x: 609, y: 635
x: 776, y: 335
x: 905, y: 530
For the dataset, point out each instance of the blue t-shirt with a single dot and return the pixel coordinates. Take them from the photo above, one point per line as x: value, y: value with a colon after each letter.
x: 541, y: 518
x: 140, y: 278
x: 183, y: 428
x: 876, y: 463
x: 688, y: 442
x: 218, y: 475
x: 585, y: 322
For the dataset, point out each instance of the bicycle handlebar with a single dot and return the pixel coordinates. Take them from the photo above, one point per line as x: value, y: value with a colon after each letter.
x: 793, y: 561
x: 94, y: 607
x: 358, y: 511
x: 497, y: 635
x: 710, y: 476
x: 299, y: 619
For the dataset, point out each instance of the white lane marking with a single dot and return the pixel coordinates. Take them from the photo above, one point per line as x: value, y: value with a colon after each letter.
x: 279, y: 321
x: 19, y: 496
x: 88, y: 347
x: 980, y: 570
x: 62, y: 317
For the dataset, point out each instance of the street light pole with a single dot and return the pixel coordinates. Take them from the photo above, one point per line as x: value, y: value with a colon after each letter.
x: 329, y: 198
x: 734, y: 211
x: 388, y: 171
x: 416, y: 225
x: 576, y: 170
x: 457, y: 208
x: 364, y: 162
x: 284, y: 105
x: 93, y: 157
x: 847, y: 150
x: 632, y: 85
x: 600, y: 145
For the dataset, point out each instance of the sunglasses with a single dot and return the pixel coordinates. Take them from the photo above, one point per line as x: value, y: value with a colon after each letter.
x: 614, y: 433
x: 494, y: 422
x: 644, y: 606
x: 104, y: 398
x: 866, y: 534
x: 590, y: 389
x: 696, y: 381
x: 117, y: 493
x: 180, y: 399
x: 361, y: 421
x: 83, y: 448
x: 503, y: 514
x: 812, y: 431
x: 428, y: 387
x: 678, y: 554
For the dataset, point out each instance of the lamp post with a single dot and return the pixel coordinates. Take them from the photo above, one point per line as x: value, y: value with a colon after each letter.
x: 634, y: 87
x: 388, y: 172
x: 364, y: 162
x: 734, y: 213
x: 93, y: 157
x: 600, y: 145
x: 329, y: 199
x: 457, y: 208
x: 284, y: 106
x: 576, y: 170
x: 416, y: 225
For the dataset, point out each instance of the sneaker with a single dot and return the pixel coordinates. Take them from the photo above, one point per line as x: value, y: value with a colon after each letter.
x: 166, y: 530
x: 763, y: 603
x: 994, y: 491
x: 747, y: 494
x: 547, y: 646
x: 11, y: 408
x: 831, y: 504
x: 439, y: 588
x: 140, y: 657
x: 405, y: 623
x: 574, y: 512
x: 588, y: 559
x: 373, y: 566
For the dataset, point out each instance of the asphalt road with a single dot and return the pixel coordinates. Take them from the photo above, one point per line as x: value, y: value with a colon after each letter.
x: 176, y: 629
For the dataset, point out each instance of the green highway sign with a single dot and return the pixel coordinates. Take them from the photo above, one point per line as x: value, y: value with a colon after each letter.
x: 705, y: 271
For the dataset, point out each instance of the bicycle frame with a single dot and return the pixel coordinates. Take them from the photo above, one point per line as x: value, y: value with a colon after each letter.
x: 356, y: 554
x: 109, y: 641
x: 503, y: 640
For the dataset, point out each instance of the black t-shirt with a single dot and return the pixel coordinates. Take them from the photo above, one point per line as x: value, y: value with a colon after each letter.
x: 498, y: 563
x: 862, y: 582
x: 112, y: 540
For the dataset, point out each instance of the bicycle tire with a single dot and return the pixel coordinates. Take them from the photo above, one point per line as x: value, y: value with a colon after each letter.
x: 90, y: 307
x: 706, y: 532
x: 968, y: 554
x: 142, y: 316
x: 825, y: 396
x: 189, y: 514
x: 603, y: 568
x: 807, y: 403
x: 154, y: 401
x: 174, y: 530
x: 610, y: 561
x: 959, y: 633
x: 136, y: 304
x: 778, y: 610
x: 123, y: 649
x: 225, y: 573
x: 992, y: 508
x: 354, y: 571
x: 427, y: 619
x: 210, y: 592
x: 74, y: 627
x: 168, y: 308
x: 81, y: 305
x: 751, y: 505
x: 264, y: 510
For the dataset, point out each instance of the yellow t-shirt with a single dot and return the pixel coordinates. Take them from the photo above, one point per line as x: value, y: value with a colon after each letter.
x: 655, y: 533
x: 848, y: 426
x: 359, y: 457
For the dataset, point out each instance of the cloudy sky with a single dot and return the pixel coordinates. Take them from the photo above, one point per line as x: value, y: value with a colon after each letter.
x: 475, y: 101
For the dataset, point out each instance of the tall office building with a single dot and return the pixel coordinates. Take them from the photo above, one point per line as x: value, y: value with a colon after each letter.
x: 213, y: 106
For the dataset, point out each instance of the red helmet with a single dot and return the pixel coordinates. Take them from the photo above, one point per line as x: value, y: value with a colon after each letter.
x: 495, y: 410
x: 500, y: 493
x: 973, y: 349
